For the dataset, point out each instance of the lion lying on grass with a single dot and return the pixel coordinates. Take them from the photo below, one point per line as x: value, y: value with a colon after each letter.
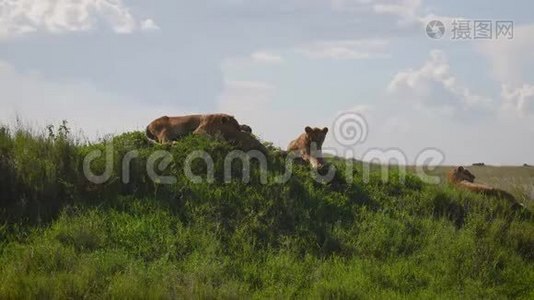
x: 169, y: 129
x: 461, y: 177
x: 308, y: 146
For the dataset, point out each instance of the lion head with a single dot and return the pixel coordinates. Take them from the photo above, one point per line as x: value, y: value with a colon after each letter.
x: 315, y: 137
x: 460, y: 174
x: 221, y: 122
x: 227, y: 128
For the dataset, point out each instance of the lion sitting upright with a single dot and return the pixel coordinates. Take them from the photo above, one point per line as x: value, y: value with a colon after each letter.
x: 461, y: 177
x: 168, y: 129
x: 308, y: 146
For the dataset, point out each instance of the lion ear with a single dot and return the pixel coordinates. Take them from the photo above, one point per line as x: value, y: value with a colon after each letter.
x: 224, y: 119
x: 460, y: 168
x: 308, y: 129
x: 325, y: 130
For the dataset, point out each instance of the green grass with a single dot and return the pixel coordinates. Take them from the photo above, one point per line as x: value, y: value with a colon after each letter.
x: 517, y: 180
x: 63, y: 237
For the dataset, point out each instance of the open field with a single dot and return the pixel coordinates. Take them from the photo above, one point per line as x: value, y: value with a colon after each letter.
x: 62, y: 236
x: 518, y: 180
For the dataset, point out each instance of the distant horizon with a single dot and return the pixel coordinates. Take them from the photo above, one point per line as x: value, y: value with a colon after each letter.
x: 20, y: 122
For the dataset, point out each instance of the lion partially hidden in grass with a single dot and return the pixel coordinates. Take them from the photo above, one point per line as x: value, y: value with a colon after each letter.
x: 461, y: 177
x: 169, y: 129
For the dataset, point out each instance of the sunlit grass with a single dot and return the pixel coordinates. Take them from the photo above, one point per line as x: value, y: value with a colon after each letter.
x: 63, y: 237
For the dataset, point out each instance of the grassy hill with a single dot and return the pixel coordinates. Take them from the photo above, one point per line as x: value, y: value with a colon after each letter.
x: 64, y: 237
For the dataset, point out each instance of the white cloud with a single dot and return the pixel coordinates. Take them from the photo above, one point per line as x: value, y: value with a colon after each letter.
x: 511, y: 60
x: 398, y: 126
x: 393, y: 124
x: 409, y: 13
x: 511, y: 65
x: 149, y: 25
x: 346, y: 49
x: 350, y: 5
x: 434, y: 88
x: 266, y: 57
x: 260, y: 57
x: 406, y: 10
x: 519, y: 100
x: 18, y: 17
x: 41, y: 102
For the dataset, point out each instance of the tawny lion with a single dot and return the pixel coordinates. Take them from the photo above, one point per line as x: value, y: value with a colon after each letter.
x: 461, y: 177
x: 168, y: 129
x: 309, y: 145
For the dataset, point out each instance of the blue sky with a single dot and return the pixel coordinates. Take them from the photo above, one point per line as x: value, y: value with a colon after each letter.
x: 110, y: 66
